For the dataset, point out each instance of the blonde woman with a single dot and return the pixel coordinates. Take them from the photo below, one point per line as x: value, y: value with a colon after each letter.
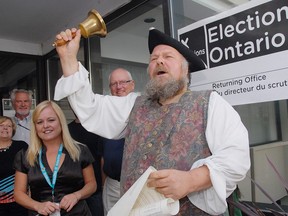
x: 58, y: 171
x: 8, y: 150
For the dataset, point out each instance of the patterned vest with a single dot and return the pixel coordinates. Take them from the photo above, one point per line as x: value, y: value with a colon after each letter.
x: 166, y: 137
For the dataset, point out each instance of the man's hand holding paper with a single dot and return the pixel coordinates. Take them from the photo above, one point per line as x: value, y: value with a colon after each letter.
x: 142, y: 200
x: 177, y: 184
x: 169, y: 182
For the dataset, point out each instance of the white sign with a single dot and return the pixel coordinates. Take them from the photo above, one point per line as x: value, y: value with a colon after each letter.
x: 245, y: 50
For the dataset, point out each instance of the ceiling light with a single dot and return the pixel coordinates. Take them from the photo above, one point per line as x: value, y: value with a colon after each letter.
x: 149, y: 20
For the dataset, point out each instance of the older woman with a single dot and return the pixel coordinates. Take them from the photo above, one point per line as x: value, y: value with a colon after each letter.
x: 58, y: 170
x: 8, y: 150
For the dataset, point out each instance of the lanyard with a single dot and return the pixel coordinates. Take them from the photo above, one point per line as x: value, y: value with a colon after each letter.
x: 55, y: 171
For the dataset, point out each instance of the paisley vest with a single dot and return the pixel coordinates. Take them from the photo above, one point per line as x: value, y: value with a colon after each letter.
x: 166, y: 137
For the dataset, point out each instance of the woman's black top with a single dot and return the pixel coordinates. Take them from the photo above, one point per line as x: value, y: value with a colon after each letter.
x: 7, y: 173
x: 69, y: 179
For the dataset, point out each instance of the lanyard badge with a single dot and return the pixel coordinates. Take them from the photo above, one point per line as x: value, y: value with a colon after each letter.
x: 55, y: 170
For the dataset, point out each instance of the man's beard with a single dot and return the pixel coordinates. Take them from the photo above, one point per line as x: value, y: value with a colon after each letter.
x: 23, y: 112
x: 155, y: 90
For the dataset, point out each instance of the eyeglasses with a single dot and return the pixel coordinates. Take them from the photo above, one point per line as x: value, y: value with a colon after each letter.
x: 120, y: 83
x: 6, y: 126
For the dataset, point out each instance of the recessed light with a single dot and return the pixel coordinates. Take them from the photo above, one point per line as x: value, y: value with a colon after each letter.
x: 149, y: 20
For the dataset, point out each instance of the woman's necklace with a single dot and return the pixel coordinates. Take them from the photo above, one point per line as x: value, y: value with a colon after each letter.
x: 5, y: 148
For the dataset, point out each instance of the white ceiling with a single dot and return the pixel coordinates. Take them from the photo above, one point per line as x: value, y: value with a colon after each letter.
x: 33, y: 24
x: 30, y: 26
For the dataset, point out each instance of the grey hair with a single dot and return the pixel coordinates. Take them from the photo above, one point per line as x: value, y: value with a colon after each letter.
x: 129, y: 74
x: 185, y: 66
x: 15, y: 91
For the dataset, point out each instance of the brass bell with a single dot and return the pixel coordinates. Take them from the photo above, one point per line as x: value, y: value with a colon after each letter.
x: 92, y: 25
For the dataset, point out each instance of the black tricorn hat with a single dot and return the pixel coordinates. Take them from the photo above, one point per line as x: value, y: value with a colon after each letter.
x: 157, y: 37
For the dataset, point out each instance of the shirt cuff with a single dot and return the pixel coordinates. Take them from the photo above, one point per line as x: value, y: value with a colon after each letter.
x: 66, y: 86
x: 213, y: 199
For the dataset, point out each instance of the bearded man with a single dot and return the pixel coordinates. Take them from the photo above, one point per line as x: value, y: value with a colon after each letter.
x: 195, y: 139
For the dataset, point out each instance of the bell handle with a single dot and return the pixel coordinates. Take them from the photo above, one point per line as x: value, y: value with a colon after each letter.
x: 61, y: 42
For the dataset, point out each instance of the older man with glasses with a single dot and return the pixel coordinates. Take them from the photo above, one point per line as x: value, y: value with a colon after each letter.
x: 121, y: 84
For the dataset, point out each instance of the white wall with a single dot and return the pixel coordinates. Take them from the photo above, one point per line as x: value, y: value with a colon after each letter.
x: 263, y: 173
